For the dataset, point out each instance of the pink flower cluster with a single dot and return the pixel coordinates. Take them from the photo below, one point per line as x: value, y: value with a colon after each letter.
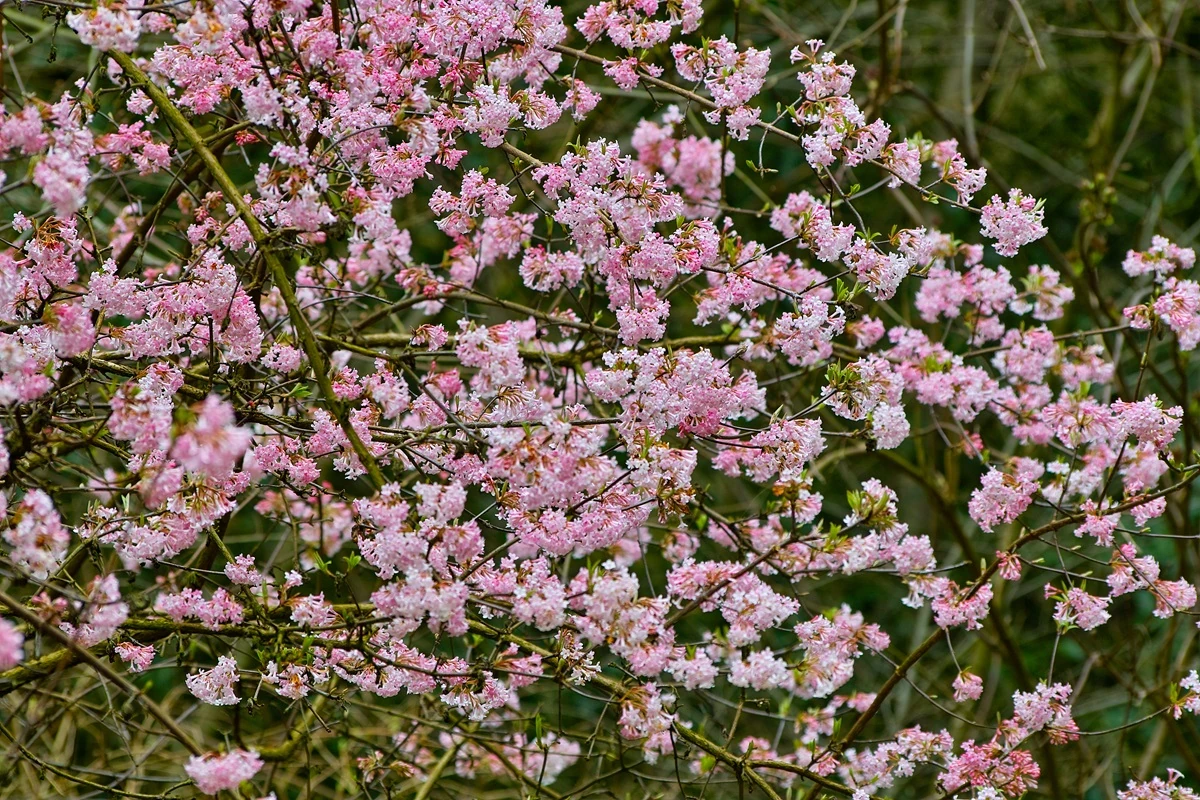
x: 214, y: 773
x: 416, y: 388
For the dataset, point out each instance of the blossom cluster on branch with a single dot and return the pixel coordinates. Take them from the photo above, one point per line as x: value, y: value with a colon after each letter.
x: 360, y: 399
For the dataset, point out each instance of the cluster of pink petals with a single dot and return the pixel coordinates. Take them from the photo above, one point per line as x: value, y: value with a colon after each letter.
x: 214, y: 773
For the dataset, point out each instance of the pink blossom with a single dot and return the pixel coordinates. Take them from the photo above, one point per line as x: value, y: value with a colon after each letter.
x: 645, y: 715
x: 1080, y: 608
x: 138, y: 657
x: 12, y: 651
x: 1157, y: 789
x: 100, y: 614
x: 313, y: 611
x: 215, y: 773
x: 241, y: 571
x: 217, y: 685
x: 37, y: 535
x: 1160, y: 260
x: 889, y: 424
x: 967, y: 686
x: 1044, y: 294
x: 1014, y: 223
x: 1173, y: 596
x: 1002, y: 497
x: 962, y: 606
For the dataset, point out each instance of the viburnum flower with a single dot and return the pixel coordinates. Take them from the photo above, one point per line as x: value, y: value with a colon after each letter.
x: 1013, y: 223
x: 219, y: 609
x: 12, y: 651
x: 1157, y: 789
x: 36, y: 535
x: 1187, y: 695
x: 732, y: 78
x: 1172, y: 597
x: 967, y: 686
x: 1044, y: 294
x: 644, y: 716
x: 1003, y: 497
x: 101, y: 613
x: 213, y: 445
x: 1160, y: 260
x: 1008, y: 565
x: 138, y: 657
x: 890, y: 426
x: 1077, y: 607
x: 958, y: 606
x: 954, y: 171
x: 1178, y: 307
x: 992, y: 771
x: 312, y: 611
x: 291, y: 683
x: 215, y: 773
x: 217, y: 685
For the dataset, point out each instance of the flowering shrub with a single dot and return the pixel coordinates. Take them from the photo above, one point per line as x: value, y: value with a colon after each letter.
x: 382, y: 419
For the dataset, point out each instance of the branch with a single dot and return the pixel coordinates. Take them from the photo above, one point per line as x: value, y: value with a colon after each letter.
x: 52, y: 631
